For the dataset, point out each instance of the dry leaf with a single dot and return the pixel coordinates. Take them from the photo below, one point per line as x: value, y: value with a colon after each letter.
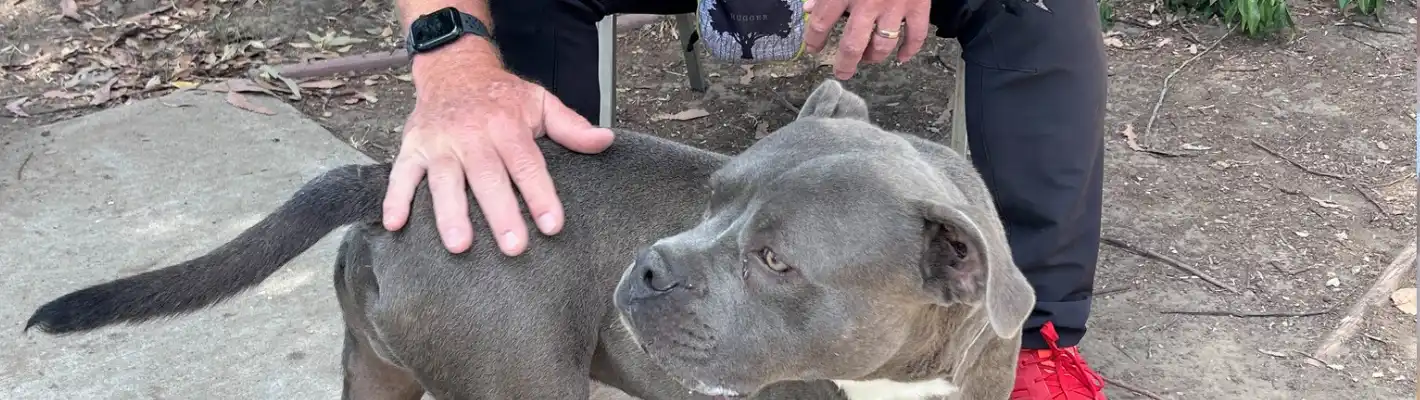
x: 240, y: 101
x: 1131, y: 139
x: 183, y: 84
x: 1333, y: 282
x: 761, y: 130
x: 405, y: 77
x: 1164, y: 42
x: 322, y: 84
x: 1194, y: 147
x: 270, y: 73
x: 1114, y: 42
x: 749, y: 74
x: 1404, y: 299
x: 683, y: 115
x: 16, y: 107
x: 104, y: 93
x: 69, y: 9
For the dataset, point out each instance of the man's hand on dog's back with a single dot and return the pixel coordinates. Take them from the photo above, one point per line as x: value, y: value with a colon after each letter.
x: 474, y: 123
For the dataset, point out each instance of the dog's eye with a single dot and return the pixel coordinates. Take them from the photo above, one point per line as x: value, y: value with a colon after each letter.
x: 772, y: 261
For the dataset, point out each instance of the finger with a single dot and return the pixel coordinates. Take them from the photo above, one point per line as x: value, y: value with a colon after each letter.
x: 526, y: 165
x: 488, y: 179
x: 570, y: 129
x: 915, y: 34
x: 446, y: 185
x: 404, y: 178
x: 824, y: 16
x: 881, y: 45
x: 854, y: 42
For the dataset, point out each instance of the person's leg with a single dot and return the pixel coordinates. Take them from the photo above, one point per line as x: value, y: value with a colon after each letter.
x: 1035, y: 103
x: 554, y: 42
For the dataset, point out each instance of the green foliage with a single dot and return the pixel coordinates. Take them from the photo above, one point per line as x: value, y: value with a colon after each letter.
x: 1107, y: 13
x: 1254, y: 18
x: 1366, y: 7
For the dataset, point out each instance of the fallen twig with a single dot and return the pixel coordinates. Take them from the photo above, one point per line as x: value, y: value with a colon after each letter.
x: 336, y: 66
x: 1170, y: 261
x: 1114, y: 290
x: 785, y: 102
x: 1154, y: 115
x: 1368, y: 27
x: 1384, y: 284
x: 1289, y: 160
x: 1391, y: 182
x: 1372, y: 46
x: 1278, y: 267
x: 1367, y: 194
x: 1132, y: 388
x: 1354, y: 185
x: 1244, y: 314
x: 20, y: 173
x: 52, y: 110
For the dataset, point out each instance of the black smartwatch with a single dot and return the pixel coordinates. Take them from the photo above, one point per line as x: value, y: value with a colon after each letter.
x: 433, y: 30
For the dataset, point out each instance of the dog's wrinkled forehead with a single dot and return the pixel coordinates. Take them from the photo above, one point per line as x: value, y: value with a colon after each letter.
x: 812, y: 141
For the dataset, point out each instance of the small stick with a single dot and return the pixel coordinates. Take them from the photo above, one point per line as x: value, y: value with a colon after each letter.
x: 1289, y: 160
x: 1170, y: 261
x: 785, y: 102
x: 1114, y: 290
x: 20, y: 173
x: 1367, y: 194
x: 1241, y: 314
x: 1384, y: 284
x: 336, y: 66
x: 1389, y: 183
x: 1132, y: 388
x: 1154, y: 115
x: 1368, y: 27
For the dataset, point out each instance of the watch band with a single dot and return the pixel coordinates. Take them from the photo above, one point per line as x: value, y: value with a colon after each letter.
x: 457, y: 23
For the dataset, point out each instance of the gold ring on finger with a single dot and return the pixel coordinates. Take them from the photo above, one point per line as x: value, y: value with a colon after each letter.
x: 888, y: 34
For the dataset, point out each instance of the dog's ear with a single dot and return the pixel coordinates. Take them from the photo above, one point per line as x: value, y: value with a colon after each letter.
x: 831, y: 100
x: 966, y: 260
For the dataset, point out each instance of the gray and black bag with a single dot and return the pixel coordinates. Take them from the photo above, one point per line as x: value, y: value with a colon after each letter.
x: 752, y: 31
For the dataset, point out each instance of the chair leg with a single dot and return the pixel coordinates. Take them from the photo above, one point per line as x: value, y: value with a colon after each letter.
x: 606, y: 69
x: 685, y: 23
x: 957, y: 140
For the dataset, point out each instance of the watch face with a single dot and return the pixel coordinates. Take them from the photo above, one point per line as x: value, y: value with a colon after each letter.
x: 435, y: 29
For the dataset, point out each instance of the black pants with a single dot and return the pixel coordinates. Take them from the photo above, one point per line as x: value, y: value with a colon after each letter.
x: 1035, y: 88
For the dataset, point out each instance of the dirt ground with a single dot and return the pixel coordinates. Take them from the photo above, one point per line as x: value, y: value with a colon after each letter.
x: 1281, y: 167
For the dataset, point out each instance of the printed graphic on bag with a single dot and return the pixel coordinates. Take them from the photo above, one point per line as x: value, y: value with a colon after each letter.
x: 750, y: 31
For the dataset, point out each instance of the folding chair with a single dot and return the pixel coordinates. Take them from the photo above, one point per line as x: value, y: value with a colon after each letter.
x: 685, y: 24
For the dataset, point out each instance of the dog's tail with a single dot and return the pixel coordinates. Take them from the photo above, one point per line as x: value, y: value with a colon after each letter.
x: 345, y: 195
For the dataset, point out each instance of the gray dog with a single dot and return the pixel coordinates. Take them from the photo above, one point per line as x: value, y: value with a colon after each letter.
x: 832, y: 259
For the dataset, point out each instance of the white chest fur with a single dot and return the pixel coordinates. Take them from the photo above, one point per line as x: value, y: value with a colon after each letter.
x: 882, y: 389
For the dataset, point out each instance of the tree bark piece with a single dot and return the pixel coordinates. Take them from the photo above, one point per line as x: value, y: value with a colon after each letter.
x: 1387, y: 282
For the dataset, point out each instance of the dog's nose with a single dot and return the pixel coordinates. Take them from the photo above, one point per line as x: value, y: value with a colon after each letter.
x: 654, y: 273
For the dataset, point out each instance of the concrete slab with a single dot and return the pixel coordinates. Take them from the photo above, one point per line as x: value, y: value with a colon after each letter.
x: 146, y: 185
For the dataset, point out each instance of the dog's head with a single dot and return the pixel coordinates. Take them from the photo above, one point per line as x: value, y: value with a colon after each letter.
x: 819, y: 249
